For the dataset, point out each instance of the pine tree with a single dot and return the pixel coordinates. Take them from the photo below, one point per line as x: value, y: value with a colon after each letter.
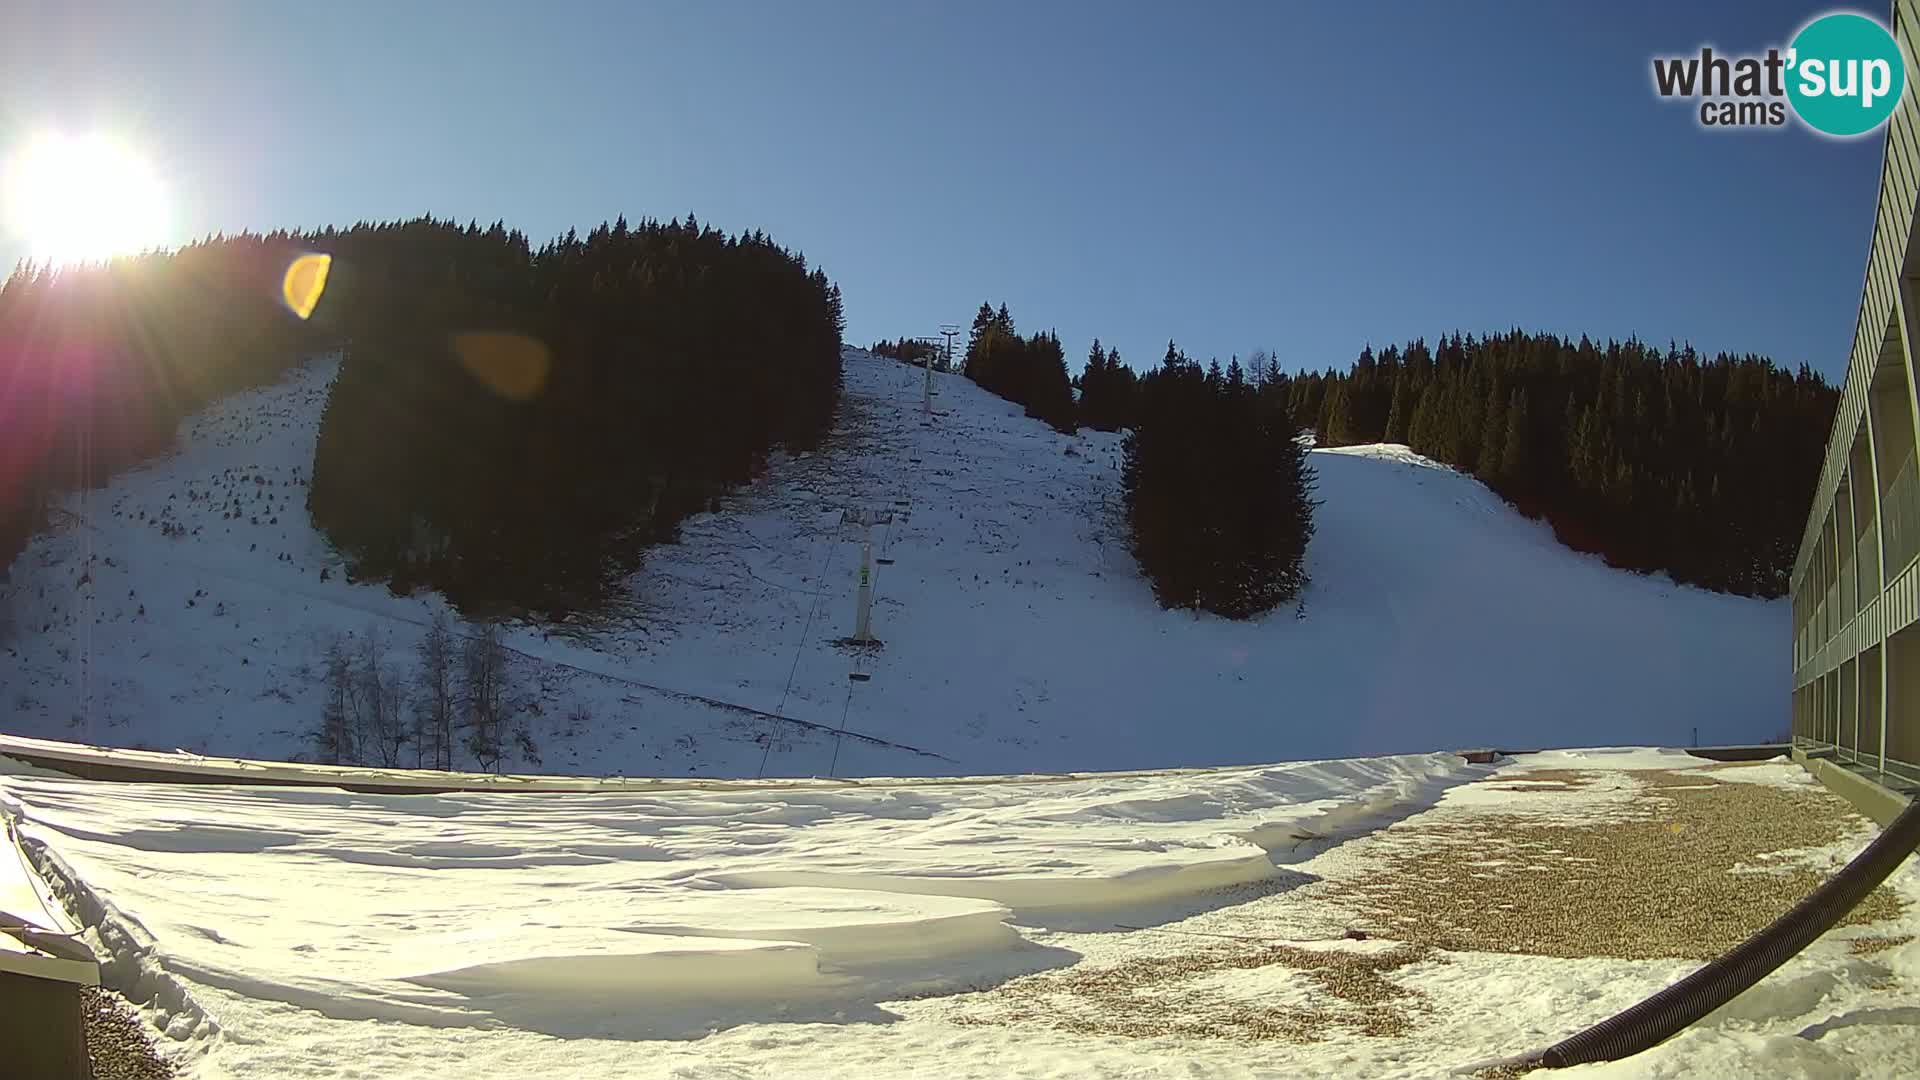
x: 1493, y: 438
x: 1091, y: 385
x: 1099, y: 390
x: 1336, y: 427
x: 1122, y: 391
x: 1217, y: 492
x: 982, y: 322
x: 1397, y: 412
x: 1423, y: 433
x: 1049, y: 395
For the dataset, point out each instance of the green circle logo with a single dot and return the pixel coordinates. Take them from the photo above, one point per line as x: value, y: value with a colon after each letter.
x: 1845, y: 74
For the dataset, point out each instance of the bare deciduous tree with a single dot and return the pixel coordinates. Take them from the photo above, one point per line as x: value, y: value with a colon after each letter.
x: 438, y: 702
x: 1260, y: 367
x: 382, y: 695
x: 483, y: 693
x: 334, y: 739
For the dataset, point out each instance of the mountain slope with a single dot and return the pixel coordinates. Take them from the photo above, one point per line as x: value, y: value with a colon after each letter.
x: 1018, y: 635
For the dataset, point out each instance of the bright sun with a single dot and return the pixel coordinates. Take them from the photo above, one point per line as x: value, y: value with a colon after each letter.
x: 82, y: 198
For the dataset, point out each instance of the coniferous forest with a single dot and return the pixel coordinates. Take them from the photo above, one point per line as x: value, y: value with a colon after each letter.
x: 509, y: 425
x: 1217, y: 488
x: 1028, y: 371
x: 912, y: 351
x: 1656, y: 460
x: 1703, y: 467
x: 1108, y: 389
x: 513, y: 426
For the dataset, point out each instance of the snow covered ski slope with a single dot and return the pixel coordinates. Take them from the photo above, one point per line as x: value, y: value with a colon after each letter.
x: 188, y: 604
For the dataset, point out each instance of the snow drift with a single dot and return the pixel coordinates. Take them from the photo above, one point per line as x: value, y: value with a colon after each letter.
x: 653, y: 915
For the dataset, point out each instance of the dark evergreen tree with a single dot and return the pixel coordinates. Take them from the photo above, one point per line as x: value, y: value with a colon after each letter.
x: 513, y: 427
x: 1217, y: 489
x: 1106, y: 390
x: 909, y: 351
x: 1491, y: 457
x: 1336, y: 426
x: 1049, y: 395
x: 1518, y: 472
x: 1398, y: 412
x: 1125, y: 386
x: 1029, y: 371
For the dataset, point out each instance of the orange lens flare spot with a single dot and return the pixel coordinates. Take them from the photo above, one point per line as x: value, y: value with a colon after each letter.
x: 513, y: 366
x: 306, y: 280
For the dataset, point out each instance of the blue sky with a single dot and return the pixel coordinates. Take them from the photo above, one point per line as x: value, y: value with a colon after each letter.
x: 1309, y: 178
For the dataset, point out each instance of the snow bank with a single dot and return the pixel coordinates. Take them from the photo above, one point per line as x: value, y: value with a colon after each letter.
x: 784, y: 929
x: 1613, y: 757
x: 476, y: 909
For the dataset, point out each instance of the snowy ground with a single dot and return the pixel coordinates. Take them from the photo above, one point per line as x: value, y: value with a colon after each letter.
x: 183, y: 606
x: 1141, y: 926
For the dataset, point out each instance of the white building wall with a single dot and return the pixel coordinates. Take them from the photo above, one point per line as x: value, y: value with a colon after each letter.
x: 1855, y: 644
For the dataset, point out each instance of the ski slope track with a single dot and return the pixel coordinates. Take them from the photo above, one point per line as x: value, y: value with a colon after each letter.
x: 183, y: 606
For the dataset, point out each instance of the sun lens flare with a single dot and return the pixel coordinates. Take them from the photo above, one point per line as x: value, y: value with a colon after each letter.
x: 82, y: 198
x: 305, y: 282
x: 513, y: 366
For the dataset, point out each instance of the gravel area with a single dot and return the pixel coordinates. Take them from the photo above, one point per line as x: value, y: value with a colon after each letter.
x: 116, y: 1042
x: 1634, y: 864
x: 1867, y: 946
x: 1160, y: 996
x: 1684, y: 870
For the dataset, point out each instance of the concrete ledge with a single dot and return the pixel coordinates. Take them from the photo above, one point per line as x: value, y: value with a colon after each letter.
x: 34, y: 942
x: 1876, y: 802
x: 1744, y: 752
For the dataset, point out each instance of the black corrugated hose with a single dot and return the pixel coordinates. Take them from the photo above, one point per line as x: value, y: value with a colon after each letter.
x: 1666, y: 1013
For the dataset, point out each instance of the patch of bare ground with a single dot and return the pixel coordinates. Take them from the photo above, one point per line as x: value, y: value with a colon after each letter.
x: 1868, y: 946
x: 116, y: 1043
x: 1682, y: 871
x: 1168, y: 996
x: 1640, y: 864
